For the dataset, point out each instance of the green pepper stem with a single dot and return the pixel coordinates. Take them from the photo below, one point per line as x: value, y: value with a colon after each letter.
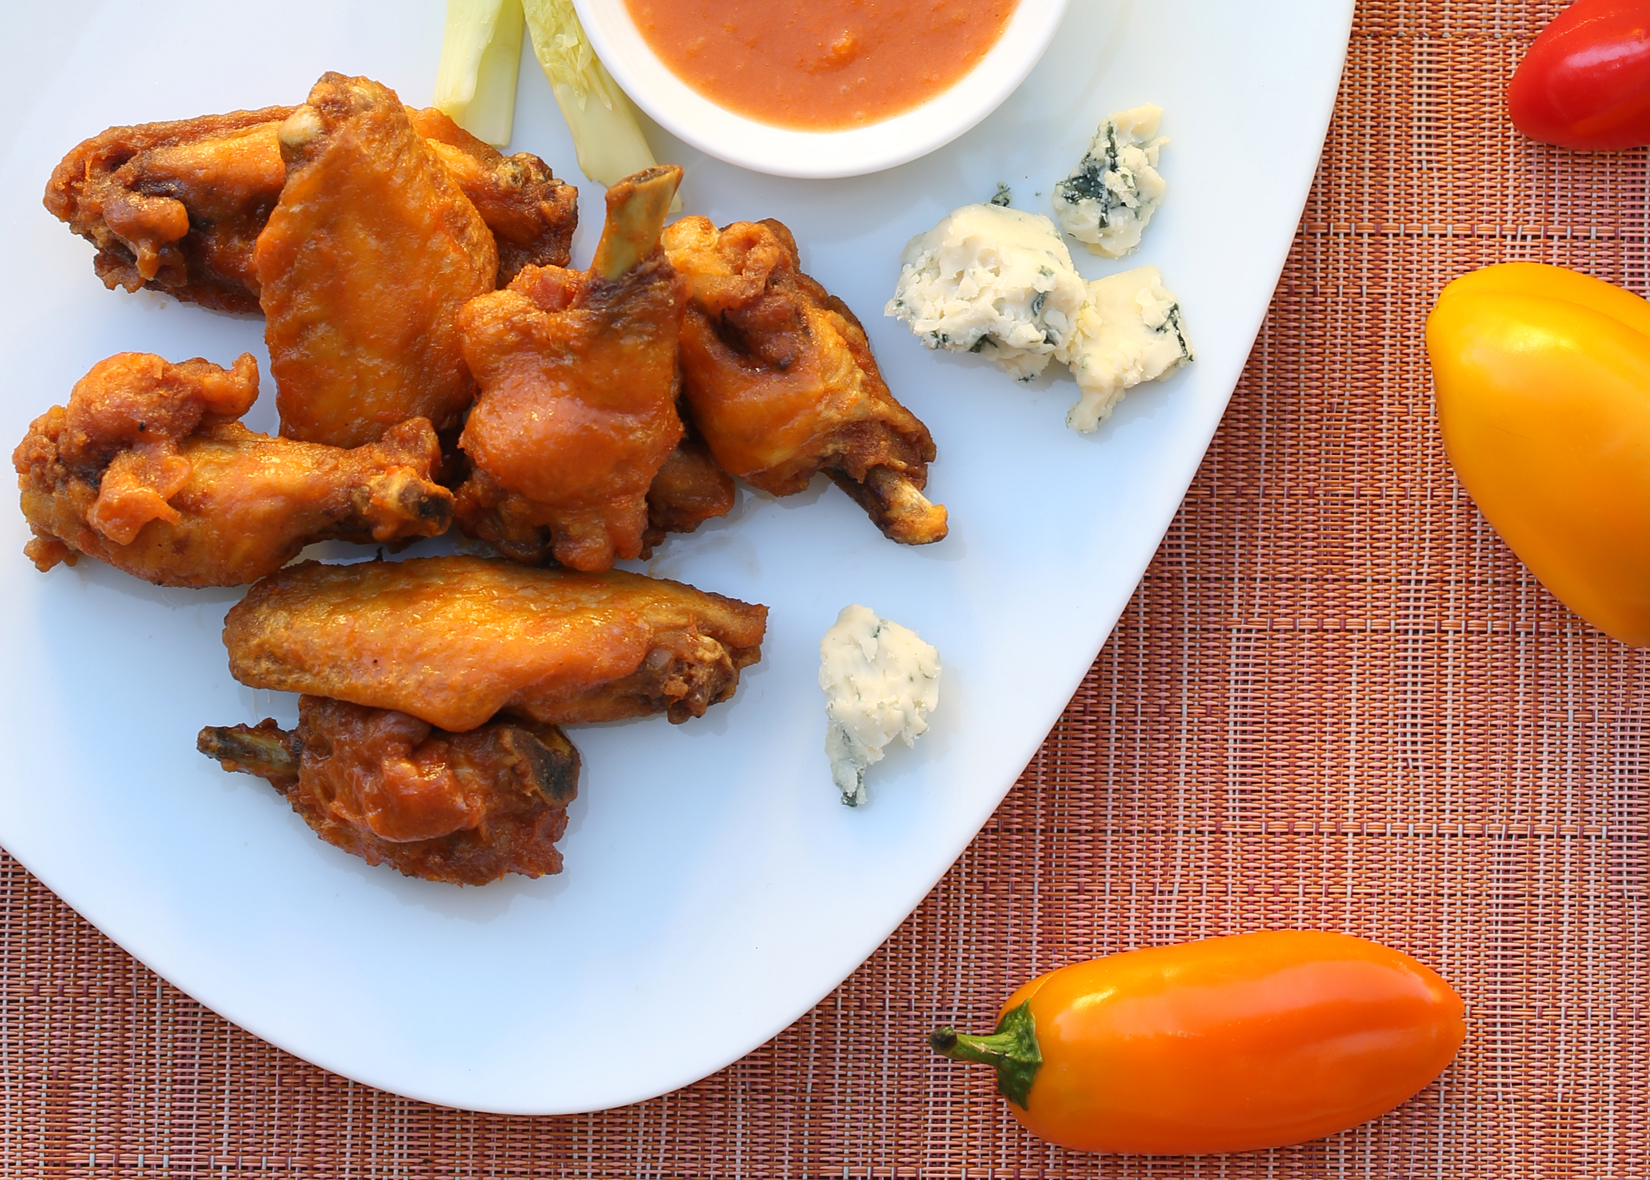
x: 1012, y: 1050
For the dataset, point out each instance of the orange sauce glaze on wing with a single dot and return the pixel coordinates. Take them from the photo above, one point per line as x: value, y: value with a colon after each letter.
x: 820, y: 64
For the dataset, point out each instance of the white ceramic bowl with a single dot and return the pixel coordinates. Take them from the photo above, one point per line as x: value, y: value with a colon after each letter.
x: 782, y: 151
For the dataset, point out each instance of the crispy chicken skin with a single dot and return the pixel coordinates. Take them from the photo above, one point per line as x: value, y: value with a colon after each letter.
x: 456, y: 640
x: 148, y: 470
x: 577, y: 406
x: 177, y: 206
x: 777, y: 374
x: 688, y: 490
x: 531, y: 213
x: 365, y: 262
x: 464, y: 808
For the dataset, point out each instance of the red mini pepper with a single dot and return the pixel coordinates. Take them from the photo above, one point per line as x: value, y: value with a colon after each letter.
x: 1586, y: 81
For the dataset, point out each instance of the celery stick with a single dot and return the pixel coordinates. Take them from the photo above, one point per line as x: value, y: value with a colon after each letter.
x: 605, y: 133
x: 491, y: 111
x: 480, y: 52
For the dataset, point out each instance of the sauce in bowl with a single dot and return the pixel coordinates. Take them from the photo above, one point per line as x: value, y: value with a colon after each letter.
x: 820, y: 65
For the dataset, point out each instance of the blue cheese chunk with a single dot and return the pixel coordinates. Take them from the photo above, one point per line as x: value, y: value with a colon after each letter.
x: 1129, y: 330
x: 990, y: 280
x: 1111, y: 195
x: 881, y: 682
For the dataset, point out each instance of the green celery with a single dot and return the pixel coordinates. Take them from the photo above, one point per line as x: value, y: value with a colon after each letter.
x: 605, y: 132
x: 480, y: 55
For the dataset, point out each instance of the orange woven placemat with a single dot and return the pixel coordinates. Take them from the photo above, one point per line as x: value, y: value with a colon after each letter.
x: 1335, y: 701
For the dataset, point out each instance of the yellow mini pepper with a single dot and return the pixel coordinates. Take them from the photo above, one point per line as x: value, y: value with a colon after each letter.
x: 1543, y: 381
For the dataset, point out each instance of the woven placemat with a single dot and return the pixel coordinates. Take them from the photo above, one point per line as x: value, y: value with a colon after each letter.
x: 1335, y: 701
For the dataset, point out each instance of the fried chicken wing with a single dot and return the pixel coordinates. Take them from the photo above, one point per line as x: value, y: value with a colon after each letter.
x: 464, y: 808
x: 455, y: 640
x: 778, y: 376
x: 531, y: 213
x: 364, y: 263
x: 576, y: 412
x: 177, y: 206
x: 148, y: 470
x: 688, y: 490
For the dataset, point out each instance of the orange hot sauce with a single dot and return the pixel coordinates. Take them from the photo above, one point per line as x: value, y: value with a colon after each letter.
x: 820, y: 64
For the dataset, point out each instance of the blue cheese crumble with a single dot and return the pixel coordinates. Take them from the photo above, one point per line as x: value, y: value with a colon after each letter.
x: 990, y: 280
x: 1129, y: 330
x: 881, y: 682
x: 1111, y: 195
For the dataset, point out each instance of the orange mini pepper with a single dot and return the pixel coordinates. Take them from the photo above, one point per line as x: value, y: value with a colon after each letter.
x: 1229, y: 1044
x: 1543, y: 384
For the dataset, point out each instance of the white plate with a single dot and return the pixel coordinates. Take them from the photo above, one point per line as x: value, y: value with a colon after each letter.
x: 714, y: 887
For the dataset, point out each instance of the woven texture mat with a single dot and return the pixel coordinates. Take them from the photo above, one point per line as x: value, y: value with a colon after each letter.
x: 1336, y: 701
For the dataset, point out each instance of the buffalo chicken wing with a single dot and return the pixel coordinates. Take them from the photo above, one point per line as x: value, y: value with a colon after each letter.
x: 688, y: 490
x: 177, y: 207
x: 365, y: 262
x: 778, y: 376
x: 148, y: 470
x: 464, y: 808
x: 455, y: 640
x: 531, y: 213
x: 576, y: 412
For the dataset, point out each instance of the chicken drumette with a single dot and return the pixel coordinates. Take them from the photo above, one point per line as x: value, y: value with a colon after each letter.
x: 688, y: 490
x: 777, y: 374
x: 177, y: 207
x: 455, y: 640
x: 576, y: 412
x: 147, y: 469
x: 464, y: 808
x: 365, y: 262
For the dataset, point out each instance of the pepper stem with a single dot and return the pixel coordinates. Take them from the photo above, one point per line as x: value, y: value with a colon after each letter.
x: 1011, y: 1049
